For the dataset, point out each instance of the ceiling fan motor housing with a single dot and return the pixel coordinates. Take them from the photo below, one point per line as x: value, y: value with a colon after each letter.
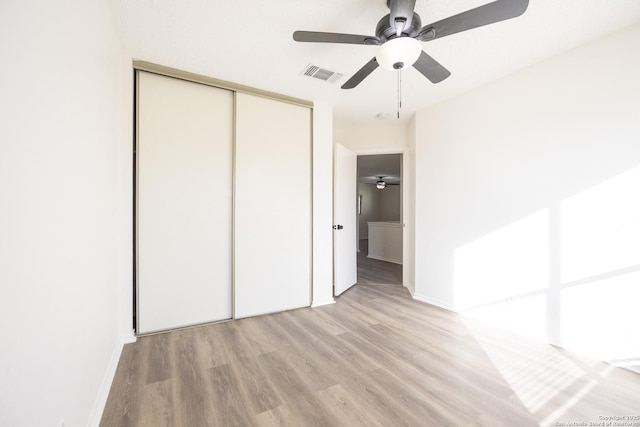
x: 384, y: 31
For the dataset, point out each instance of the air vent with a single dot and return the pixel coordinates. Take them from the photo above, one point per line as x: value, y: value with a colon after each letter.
x: 320, y: 73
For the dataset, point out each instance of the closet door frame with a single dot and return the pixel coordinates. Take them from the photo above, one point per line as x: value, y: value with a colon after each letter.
x: 235, y: 88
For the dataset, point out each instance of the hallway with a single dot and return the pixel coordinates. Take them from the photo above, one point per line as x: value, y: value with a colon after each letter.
x: 376, y: 272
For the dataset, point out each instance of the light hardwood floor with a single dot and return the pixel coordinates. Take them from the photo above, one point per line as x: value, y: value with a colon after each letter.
x: 376, y: 272
x: 375, y: 358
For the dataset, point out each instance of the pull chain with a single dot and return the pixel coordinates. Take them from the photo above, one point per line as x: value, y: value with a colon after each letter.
x: 399, y: 92
x: 398, y: 103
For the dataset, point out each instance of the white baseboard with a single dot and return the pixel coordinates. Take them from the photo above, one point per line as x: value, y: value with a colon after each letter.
x: 321, y: 303
x: 410, y: 288
x: 107, y: 380
x: 632, y: 365
x: 129, y: 339
x: 395, y: 261
x: 433, y: 302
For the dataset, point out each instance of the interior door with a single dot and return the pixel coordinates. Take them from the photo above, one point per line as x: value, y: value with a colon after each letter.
x: 184, y: 203
x: 345, y: 244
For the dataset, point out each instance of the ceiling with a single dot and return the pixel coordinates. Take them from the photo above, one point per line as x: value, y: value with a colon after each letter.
x: 372, y: 167
x: 249, y: 42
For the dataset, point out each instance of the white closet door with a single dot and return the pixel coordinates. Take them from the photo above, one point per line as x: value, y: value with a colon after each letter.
x: 272, y: 207
x: 184, y: 209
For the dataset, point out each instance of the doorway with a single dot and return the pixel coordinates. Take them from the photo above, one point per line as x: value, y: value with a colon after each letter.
x: 380, y: 224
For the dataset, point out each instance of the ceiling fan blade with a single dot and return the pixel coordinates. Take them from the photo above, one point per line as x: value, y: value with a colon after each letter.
x: 490, y: 13
x: 431, y: 69
x: 320, y: 37
x: 361, y: 74
x: 401, y: 14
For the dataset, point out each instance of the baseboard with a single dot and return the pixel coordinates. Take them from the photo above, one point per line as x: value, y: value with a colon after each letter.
x: 410, y: 288
x: 395, y: 261
x: 129, y: 339
x: 107, y: 380
x: 433, y: 301
x: 632, y: 364
x: 321, y: 303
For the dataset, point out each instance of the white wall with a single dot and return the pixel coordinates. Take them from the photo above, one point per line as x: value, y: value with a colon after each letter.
x: 389, y: 136
x: 370, y: 208
x: 377, y: 205
x: 322, y: 204
x: 125, y: 198
x: 59, y: 215
x: 390, y: 203
x: 409, y: 210
x: 527, y: 208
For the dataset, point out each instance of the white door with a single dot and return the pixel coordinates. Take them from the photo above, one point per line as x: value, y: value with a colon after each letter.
x: 272, y: 206
x: 345, y: 244
x: 184, y: 203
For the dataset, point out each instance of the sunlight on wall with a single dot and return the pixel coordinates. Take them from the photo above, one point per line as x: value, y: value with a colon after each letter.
x: 523, y: 315
x: 511, y: 261
x: 600, y: 228
x: 496, y: 278
x: 600, y: 238
x: 569, y: 274
x: 601, y: 318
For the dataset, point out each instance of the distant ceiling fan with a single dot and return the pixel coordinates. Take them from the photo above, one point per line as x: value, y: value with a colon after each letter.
x: 399, y: 35
x: 381, y: 184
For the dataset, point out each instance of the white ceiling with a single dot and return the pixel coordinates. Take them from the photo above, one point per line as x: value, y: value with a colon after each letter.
x: 250, y: 42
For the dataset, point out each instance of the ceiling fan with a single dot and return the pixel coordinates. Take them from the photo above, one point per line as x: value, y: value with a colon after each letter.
x: 400, y: 32
x: 381, y: 184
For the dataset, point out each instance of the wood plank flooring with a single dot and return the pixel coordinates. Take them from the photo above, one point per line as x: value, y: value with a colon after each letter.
x: 375, y: 272
x: 375, y: 358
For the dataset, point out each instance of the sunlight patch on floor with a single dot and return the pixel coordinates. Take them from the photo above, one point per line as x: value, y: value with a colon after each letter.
x: 546, y: 382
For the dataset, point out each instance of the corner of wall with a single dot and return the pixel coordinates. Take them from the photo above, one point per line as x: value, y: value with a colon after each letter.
x: 322, y: 169
x: 411, y: 288
x: 107, y: 380
x: 323, y: 302
x: 432, y: 301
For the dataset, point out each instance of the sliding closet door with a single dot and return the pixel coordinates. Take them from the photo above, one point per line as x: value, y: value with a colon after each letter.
x: 272, y: 207
x: 184, y: 203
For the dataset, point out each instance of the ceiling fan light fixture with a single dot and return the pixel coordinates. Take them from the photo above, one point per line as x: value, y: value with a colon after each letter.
x: 398, y: 53
x: 381, y: 184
